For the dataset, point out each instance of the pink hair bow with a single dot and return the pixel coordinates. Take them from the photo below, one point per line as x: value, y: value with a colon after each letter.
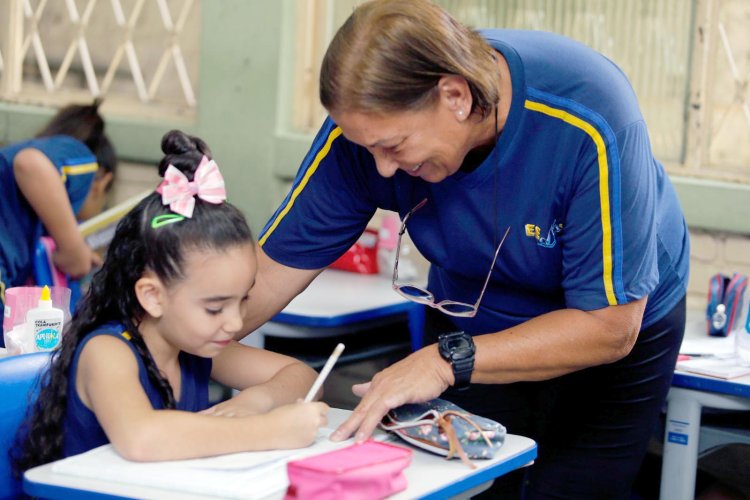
x: 179, y: 193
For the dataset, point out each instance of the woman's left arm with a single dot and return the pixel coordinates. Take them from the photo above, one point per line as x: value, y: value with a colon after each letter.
x: 545, y: 347
x: 266, y: 380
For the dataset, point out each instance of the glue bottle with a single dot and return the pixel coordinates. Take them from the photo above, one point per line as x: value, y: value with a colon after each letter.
x: 45, y: 323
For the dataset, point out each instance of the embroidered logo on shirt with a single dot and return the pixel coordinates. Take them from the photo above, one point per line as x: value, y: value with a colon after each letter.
x: 549, y: 241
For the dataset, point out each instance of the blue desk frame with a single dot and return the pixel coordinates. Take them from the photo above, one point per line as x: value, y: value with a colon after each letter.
x: 683, y: 437
x: 429, y: 476
x: 339, y: 302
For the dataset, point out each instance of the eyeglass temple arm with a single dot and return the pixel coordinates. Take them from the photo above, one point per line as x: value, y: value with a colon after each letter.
x: 400, y: 234
x: 489, y: 274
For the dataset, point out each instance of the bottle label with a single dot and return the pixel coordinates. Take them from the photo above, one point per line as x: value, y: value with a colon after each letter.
x: 46, y: 335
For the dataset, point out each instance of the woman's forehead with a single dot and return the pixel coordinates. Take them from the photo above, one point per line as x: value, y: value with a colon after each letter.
x: 377, y: 129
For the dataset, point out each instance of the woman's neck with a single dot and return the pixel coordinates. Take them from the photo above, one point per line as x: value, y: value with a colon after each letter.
x: 491, y: 126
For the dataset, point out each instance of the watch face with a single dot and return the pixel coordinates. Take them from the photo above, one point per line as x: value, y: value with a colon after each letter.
x: 459, y: 347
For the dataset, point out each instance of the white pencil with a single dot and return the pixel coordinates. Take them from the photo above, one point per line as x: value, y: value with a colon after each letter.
x: 324, y: 372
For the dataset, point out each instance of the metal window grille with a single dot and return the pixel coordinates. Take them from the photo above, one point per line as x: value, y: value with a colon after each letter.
x: 689, y: 62
x: 142, y: 52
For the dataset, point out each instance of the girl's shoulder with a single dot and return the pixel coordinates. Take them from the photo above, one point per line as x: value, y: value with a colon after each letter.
x: 112, y: 329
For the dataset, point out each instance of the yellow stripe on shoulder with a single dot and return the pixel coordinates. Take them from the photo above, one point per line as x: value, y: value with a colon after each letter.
x: 310, y: 171
x: 601, y: 150
x: 83, y: 168
x: 127, y: 336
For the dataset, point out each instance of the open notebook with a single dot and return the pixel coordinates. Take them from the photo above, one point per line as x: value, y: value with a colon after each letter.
x: 252, y: 475
x: 723, y: 367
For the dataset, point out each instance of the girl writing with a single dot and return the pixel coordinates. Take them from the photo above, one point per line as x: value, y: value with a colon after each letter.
x: 156, y: 323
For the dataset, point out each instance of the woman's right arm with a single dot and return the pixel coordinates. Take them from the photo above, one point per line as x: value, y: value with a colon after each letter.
x: 275, y: 286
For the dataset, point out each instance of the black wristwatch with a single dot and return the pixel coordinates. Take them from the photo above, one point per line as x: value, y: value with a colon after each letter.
x: 458, y: 349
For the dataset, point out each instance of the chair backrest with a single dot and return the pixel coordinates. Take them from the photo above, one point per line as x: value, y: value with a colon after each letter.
x: 18, y: 376
x: 44, y: 271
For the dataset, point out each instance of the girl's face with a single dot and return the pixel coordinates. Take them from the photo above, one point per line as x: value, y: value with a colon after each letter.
x: 203, y: 312
x: 429, y: 143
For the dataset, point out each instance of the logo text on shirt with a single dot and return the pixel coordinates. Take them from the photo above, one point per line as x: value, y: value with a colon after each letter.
x: 549, y: 241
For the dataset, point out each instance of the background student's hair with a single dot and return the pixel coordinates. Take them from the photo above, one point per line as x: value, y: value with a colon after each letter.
x: 136, y: 247
x: 83, y: 122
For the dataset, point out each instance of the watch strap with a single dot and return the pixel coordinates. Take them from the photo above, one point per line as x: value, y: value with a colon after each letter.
x: 462, y: 370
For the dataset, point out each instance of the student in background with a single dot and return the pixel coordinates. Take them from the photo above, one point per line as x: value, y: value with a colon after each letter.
x: 47, y: 185
x: 156, y: 324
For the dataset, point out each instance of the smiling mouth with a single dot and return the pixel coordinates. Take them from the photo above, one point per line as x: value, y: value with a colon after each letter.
x: 416, y: 167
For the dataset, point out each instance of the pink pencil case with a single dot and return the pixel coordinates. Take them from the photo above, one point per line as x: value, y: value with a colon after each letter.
x: 363, y: 471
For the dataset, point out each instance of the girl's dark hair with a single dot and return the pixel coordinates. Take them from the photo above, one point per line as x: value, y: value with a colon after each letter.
x: 83, y: 122
x: 389, y: 55
x: 135, y: 248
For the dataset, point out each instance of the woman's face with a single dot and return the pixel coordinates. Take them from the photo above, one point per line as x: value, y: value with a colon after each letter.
x: 429, y: 143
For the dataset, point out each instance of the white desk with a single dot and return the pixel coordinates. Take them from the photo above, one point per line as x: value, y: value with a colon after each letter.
x: 429, y: 476
x: 339, y: 303
x: 683, y: 437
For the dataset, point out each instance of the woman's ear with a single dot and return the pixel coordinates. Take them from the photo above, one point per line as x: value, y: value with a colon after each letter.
x: 150, y: 293
x: 455, y: 95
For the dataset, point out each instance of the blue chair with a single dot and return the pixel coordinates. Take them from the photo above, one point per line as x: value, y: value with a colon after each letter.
x: 18, y: 375
x: 45, y: 273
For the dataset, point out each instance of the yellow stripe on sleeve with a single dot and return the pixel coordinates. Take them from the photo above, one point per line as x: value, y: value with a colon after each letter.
x: 310, y: 171
x: 603, y: 187
x: 84, y: 168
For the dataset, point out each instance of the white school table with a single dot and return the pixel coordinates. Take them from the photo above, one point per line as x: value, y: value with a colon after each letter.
x: 429, y: 476
x: 684, y: 437
x: 340, y: 303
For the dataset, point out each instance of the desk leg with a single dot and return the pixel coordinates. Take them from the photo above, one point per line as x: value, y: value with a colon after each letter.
x: 680, y: 446
x: 416, y: 326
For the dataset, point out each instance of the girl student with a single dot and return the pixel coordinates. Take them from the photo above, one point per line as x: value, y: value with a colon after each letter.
x: 156, y: 323
x: 48, y: 184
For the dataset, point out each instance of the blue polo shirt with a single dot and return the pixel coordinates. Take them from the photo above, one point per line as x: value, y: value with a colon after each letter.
x: 21, y: 227
x: 594, y: 220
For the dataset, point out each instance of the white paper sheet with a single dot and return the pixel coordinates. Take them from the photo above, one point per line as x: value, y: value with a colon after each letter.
x: 252, y: 475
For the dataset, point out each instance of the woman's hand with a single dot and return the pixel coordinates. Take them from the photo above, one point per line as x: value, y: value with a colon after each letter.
x: 422, y: 376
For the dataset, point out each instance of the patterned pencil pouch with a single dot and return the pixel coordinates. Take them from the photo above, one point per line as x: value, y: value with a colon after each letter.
x: 443, y: 428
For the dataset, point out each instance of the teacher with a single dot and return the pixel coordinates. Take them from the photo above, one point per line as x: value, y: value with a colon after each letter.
x: 521, y: 166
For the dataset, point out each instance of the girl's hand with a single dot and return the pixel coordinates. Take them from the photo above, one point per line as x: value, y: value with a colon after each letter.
x: 421, y: 376
x: 251, y: 401
x: 296, y: 425
x: 77, y: 261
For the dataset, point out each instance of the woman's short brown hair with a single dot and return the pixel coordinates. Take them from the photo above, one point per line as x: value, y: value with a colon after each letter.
x: 390, y: 54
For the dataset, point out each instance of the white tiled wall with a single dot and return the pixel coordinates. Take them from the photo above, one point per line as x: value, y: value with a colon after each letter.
x: 132, y: 179
x: 711, y: 253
